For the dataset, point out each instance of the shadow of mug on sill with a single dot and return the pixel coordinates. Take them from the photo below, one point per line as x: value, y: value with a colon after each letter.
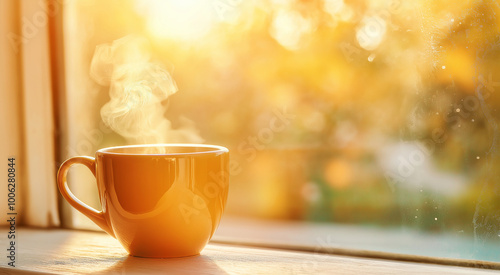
x: 159, y: 200
x: 185, y: 265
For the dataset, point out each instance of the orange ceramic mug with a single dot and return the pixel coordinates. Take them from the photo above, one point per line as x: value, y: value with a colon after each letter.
x: 162, y: 200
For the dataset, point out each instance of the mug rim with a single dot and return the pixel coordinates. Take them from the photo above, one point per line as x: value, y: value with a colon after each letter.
x: 216, y: 149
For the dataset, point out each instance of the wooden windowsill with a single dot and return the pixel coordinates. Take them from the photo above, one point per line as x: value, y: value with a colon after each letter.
x: 81, y: 252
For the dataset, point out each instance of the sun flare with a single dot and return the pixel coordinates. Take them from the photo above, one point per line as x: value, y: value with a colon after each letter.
x: 185, y: 20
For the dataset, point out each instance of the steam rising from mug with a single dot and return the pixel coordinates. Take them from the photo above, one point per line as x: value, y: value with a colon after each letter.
x: 137, y: 88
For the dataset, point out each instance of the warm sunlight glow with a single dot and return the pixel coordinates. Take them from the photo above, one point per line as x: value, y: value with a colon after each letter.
x: 289, y: 28
x: 371, y: 33
x: 185, y: 20
x: 333, y: 6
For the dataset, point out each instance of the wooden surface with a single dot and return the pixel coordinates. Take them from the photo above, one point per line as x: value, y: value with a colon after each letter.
x: 81, y: 252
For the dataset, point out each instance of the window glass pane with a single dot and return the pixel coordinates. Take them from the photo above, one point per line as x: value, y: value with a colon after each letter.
x: 376, y: 115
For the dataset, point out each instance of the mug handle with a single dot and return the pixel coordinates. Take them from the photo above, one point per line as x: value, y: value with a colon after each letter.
x: 96, y: 216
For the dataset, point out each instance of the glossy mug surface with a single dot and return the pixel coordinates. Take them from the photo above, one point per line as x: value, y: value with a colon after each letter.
x: 158, y: 200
